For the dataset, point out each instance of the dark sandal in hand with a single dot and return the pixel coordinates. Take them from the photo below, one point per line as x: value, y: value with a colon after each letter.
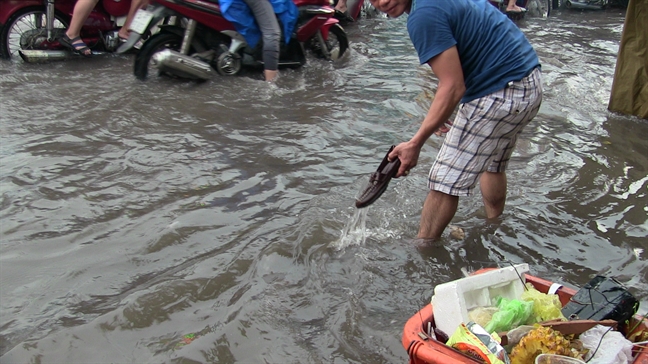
x: 378, y: 181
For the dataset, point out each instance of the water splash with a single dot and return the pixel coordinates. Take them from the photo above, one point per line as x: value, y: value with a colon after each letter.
x: 355, y: 231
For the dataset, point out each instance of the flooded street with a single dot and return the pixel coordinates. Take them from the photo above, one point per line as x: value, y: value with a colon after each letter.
x: 182, y: 222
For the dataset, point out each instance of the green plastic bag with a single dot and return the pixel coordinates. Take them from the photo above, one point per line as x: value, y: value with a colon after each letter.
x: 511, y: 314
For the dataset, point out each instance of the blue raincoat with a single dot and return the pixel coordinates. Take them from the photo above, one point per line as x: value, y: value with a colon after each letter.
x: 237, y: 12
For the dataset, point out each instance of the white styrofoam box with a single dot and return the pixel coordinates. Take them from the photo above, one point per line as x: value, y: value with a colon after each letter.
x: 452, y: 300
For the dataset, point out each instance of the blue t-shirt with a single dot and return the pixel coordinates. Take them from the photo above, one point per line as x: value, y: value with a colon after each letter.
x: 492, y: 49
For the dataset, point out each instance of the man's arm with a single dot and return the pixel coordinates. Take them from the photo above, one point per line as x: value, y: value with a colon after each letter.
x: 447, y: 67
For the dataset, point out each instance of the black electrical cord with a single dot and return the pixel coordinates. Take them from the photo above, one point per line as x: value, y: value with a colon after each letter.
x: 599, y: 344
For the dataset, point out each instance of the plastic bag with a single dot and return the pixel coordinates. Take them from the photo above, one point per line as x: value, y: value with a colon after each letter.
x: 545, y: 306
x: 514, y: 336
x: 613, y: 347
x: 511, y: 314
x: 472, y: 340
x: 482, y: 315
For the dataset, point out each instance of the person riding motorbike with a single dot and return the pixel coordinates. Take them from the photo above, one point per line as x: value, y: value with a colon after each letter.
x: 82, y: 9
x: 253, y: 16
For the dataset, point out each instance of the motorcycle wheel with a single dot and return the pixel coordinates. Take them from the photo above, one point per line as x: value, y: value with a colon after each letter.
x: 157, y: 43
x: 541, y: 8
x: 337, y: 43
x: 228, y: 65
x: 558, y: 4
x: 26, y: 29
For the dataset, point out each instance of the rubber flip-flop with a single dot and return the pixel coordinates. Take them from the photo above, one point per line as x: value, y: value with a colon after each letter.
x: 378, y: 181
x: 522, y: 10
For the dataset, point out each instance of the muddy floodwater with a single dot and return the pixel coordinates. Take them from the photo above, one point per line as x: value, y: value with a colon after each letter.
x: 182, y: 222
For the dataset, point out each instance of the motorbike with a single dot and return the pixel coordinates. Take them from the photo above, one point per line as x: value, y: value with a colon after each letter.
x: 591, y: 4
x: 31, y: 28
x: 203, y: 43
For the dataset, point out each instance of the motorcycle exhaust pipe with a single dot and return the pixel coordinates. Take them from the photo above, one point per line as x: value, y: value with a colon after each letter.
x: 581, y: 5
x: 182, y: 65
x: 35, y: 56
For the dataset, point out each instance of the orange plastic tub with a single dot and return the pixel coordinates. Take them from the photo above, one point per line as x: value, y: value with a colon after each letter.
x: 423, y: 349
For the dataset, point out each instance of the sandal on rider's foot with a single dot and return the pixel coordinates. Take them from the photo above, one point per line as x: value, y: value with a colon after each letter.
x: 522, y: 10
x: 378, y: 181
x: 342, y: 15
x: 121, y: 38
x: 76, y: 45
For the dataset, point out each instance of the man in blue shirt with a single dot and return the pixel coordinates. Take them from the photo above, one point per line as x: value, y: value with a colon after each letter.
x: 485, y: 65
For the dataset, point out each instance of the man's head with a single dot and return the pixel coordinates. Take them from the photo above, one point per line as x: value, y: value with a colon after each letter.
x: 393, y: 8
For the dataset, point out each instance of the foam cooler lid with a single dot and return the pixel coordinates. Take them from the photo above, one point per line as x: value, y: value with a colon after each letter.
x: 452, y: 300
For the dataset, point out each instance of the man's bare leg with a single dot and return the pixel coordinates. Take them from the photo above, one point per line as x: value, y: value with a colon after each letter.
x: 493, y: 189
x: 438, y: 210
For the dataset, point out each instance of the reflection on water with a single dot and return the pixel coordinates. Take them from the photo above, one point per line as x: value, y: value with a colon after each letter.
x: 173, y: 221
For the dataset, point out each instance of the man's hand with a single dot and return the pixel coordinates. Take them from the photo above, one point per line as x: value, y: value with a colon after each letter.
x: 444, y: 128
x: 408, y: 153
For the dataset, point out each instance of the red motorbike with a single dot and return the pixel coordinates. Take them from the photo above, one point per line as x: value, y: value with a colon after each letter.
x: 32, y: 27
x: 203, y: 42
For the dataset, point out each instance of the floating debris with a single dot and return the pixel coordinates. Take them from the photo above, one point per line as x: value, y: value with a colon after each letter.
x: 456, y: 232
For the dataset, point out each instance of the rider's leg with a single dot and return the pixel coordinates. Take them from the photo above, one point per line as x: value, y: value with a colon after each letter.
x: 135, y: 5
x: 82, y: 10
x: 267, y: 21
x: 512, y: 7
x: 341, y: 6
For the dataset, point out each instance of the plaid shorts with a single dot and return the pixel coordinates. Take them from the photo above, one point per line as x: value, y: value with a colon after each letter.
x: 484, y: 134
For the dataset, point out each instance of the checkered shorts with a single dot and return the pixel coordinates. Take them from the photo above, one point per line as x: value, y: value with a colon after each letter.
x: 483, y: 135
